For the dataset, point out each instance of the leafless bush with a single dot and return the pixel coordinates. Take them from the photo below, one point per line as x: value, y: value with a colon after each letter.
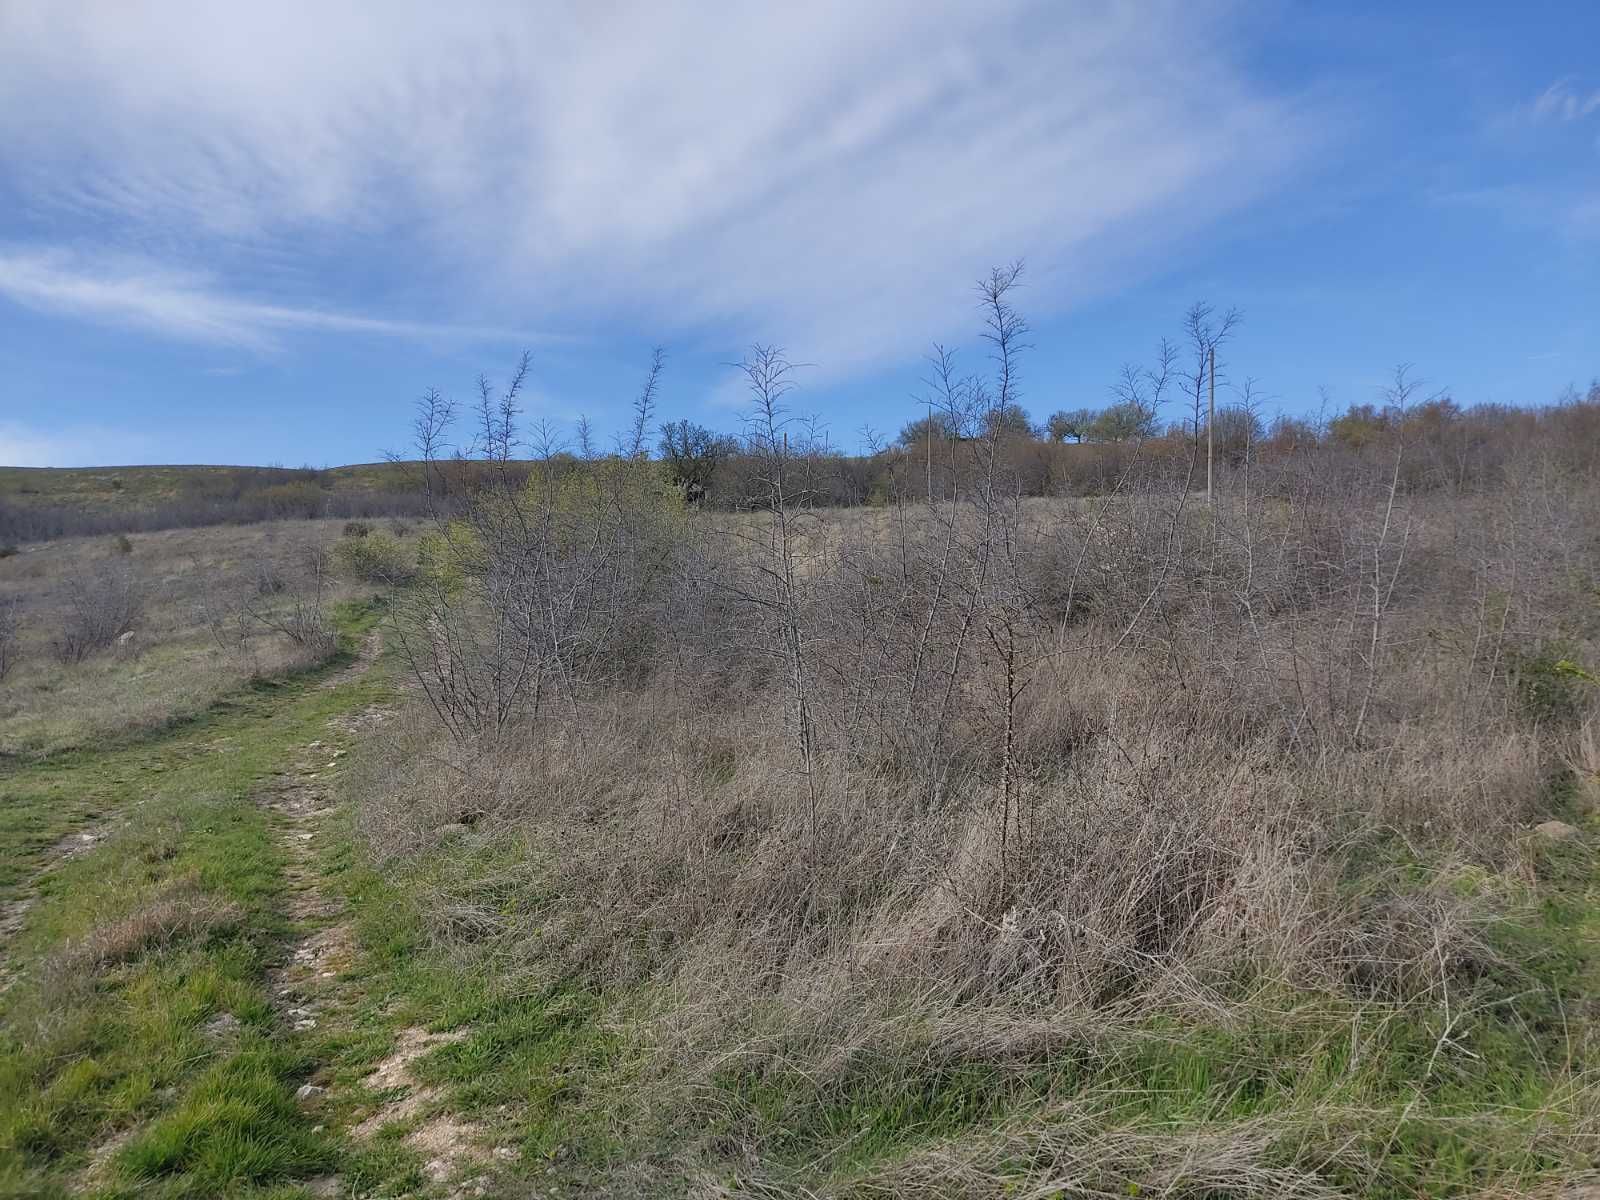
x: 10, y: 636
x: 102, y: 607
x: 992, y: 762
x: 269, y: 580
x: 545, y: 591
x: 228, y: 618
x: 299, y: 611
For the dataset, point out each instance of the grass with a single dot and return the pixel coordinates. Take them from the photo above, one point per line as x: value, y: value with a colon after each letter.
x: 102, y: 489
x: 115, y: 1082
x: 180, y: 909
x: 1384, y: 1101
x: 179, y: 669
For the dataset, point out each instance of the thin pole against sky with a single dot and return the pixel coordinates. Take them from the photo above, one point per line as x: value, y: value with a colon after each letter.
x: 1211, y: 419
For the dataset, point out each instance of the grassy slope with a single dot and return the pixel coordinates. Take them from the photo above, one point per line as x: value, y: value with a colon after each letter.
x: 117, y: 1057
x: 94, y: 1052
x: 99, y: 489
x: 1380, y: 1103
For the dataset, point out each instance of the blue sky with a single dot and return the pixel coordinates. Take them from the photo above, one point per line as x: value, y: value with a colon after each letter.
x: 255, y: 236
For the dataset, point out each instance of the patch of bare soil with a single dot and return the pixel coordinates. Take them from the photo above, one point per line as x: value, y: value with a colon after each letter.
x: 298, y: 795
x: 453, y: 1148
x: 309, y: 984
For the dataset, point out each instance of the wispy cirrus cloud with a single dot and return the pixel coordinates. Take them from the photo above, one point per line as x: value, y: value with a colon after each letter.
x: 828, y: 173
x: 185, y: 305
x: 1564, y: 105
x: 1564, y: 101
x: 1556, y: 165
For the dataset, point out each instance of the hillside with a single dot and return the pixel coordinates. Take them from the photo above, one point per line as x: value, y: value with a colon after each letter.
x: 107, y: 489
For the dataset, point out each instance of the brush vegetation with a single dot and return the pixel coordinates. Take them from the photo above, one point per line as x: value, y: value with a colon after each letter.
x: 1125, y: 845
x: 102, y: 640
x: 1028, y: 826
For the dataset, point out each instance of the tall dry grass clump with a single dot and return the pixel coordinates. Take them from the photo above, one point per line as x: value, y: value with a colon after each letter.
x: 988, y: 783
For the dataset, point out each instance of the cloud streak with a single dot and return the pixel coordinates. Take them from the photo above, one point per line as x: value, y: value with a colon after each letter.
x: 826, y: 174
x: 1564, y: 102
x: 187, y: 307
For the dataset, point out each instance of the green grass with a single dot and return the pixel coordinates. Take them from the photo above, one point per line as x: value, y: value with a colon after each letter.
x: 89, y: 1056
x: 1381, y: 1101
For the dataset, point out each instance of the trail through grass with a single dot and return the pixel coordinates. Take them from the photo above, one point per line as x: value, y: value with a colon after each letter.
x: 215, y: 994
x: 139, y: 1050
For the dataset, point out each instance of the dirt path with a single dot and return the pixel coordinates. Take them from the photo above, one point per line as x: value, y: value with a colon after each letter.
x: 313, y: 987
x: 14, y: 912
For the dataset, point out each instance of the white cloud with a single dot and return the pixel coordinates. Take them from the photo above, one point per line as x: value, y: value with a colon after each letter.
x: 1561, y: 101
x: 183, y: 305
x: 1565, y: 209
x: 1565, y: 102
x: 76, y: 446
x: 827, y: 174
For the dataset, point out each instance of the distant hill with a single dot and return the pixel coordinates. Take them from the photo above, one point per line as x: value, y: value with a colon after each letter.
x: 46, y: 502
x: 106, y: 489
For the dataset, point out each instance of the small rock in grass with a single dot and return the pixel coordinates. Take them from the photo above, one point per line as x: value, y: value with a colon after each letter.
x: 309, y: 1091
x: 1555, y: 831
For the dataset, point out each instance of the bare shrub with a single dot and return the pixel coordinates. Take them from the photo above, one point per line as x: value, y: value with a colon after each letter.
x: 546, y: 591
x: 269, y: 580
x: 1013, y: 771
x: 10, y: 636
x: 299, y: 610
x: 102, y: 606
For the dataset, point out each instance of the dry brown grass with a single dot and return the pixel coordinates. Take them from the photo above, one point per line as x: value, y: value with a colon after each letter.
x: 173, y: 665
x: 995, y: 786
x: 181, y: 910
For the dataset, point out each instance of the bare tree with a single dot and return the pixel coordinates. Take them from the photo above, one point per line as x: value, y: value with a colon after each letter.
x: 497, y: 414
x: 692, y: 453
x: 634, y: 443
x: 769, y: 376
x: 430, y: 432
x: 1397, y: 397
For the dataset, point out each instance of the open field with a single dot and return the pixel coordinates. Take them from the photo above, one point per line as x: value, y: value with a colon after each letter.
x: 196, y: 614
x: 105, y: 489
x: 963, y: 601
x: 1103, y: 846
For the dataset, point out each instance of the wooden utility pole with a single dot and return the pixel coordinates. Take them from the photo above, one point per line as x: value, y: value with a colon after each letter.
x: 1211, y: 418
